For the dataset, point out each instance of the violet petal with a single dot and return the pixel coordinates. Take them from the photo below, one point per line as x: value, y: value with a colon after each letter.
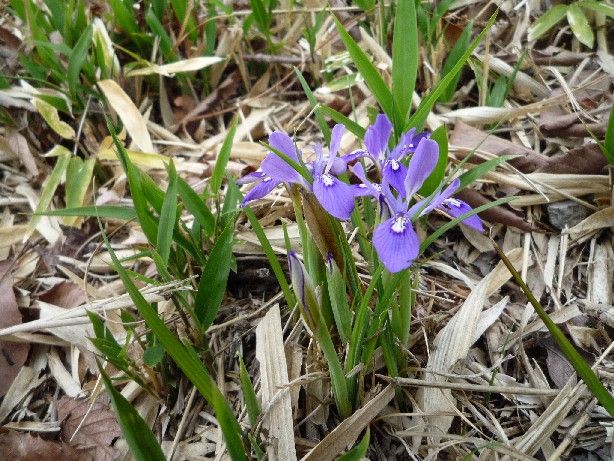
x: 421, y: 165
x: 334, y: 195
x: 260, y: 190
x: 377, y: 135
x: 396, y: 243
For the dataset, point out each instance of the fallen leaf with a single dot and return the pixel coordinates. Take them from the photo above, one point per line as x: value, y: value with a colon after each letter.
x: 95, y: 433
x: 129, y: 114
x: 593, y: 161
x: 19, y: 446
x: 13, y: 354
x: 498, y: 214
x: 19, y: 146
x: 468, y: 137
x: 64, y: 294
x: 559, y: 368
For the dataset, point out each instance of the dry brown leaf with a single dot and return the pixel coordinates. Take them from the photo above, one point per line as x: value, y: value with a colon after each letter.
x: 498, y: 214
x: 19, y: 446
x: 13, y: 355
x: 471, y: 138
x: 273, y: 377
x: 95, y: 433
x: 19, y: 145
x: 64, y: 294
x: 559, y: 368
x: 128, y: 113
x: 593, y: 161
x: 346, y: 433
x: 597, y: 221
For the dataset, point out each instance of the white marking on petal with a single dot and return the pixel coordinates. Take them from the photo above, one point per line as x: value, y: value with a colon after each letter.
x: 452, y: 202
x: 399, y: 225
x: 266, y: 179
x: 327, y: 179
x: 362, y: 186
x: 394, y: 165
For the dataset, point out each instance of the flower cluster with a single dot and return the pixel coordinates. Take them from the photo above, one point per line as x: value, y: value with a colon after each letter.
x: 402, y: 171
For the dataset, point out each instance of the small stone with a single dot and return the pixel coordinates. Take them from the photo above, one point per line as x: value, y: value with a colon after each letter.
x: 566, y: 213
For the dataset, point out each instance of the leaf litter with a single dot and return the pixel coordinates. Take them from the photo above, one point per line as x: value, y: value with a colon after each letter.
x: 558, y: 103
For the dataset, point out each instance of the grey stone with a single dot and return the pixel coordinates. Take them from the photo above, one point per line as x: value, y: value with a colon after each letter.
x: 565, y: 213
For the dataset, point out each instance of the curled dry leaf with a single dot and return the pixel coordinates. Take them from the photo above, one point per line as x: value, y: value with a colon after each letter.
x: 13, y: 354
x: 19, y: 446
x: 470, y: 138
x: 94, y: 430
x: 498, y: 214
x: 64, y: 294
x: 593, y: 161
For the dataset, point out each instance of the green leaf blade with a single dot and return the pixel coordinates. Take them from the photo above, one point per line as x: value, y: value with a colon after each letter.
x: 547, y: 21
x: 405, y: 54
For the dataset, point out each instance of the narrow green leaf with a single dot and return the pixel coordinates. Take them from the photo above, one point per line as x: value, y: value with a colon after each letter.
x: 547, y: 21
x: 359, y: 452
x: 142, y: 442
x: 146, y: 220
x: 372, y: 76
x: 582, y: 368
x: 608, y: 145
x: 249, y: 394
x: 338, y: 117
x: 405, y: 55
x: 77, y: 59
x: 337, y: 376
x: 314, y: 105
x: 454, y: 222
x: 263, y: 19
x: 123, y: 16
x: 52, y: 182
x: 196, y: 205
x: 271, y: 256
x: 168, y: 216
x: 440, y: 135
x: 419, y: 117
x: 462, y: 43
x: 597, y: 6
x: 153, y: 355
x: 222, y: 159
x: 104, y: 211
x: 339, y: 300
x: 187, y: 360
x: 78, y: 178
x: 480, y: 170
x: 580, y: 25
x: 212, y: 284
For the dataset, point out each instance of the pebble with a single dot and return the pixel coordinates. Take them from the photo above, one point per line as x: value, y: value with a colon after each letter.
x: 565, y: 213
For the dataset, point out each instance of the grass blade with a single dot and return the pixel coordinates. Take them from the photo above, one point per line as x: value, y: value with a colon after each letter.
x: 580, y: 25
x: 417, y: 120
x: 338, y: 117
x: 142, y: 442
x: 78, y: 178
x: 547, y: 21
x: 582, y: 368
x: 168, y: 216
x: 212, y: 284
x: 405, y: 53
x: 222, y: 159
x: 187, y: 360
x: 372, y: 76
x: 249, y: 394
x: 608, y: 145
x: 78, y: 56
x: 480, y: 170
x: 196, y: 205
x: 314, y: 105
x: 105, y: 211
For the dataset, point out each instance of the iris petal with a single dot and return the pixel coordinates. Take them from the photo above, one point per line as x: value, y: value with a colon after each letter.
x: 283, y: 143
x: 251, y: 177
x: 335, y: 196
x: 349, y: 158
x: 277, y: 168
x: 443, y: 195
x: 456, y: 208
x: 335, y: 138
x: 377, y: 135
x: 260, y: 190
x: 396, y: 243
x: 421, y: 165
x: 395, y: 173
x: 339, y: 166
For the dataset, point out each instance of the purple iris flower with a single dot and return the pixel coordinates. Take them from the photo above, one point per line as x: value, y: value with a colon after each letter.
x: 335, y: 196
x: 274, y: 170
x: 395, y: 239
x: 388, y: 162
